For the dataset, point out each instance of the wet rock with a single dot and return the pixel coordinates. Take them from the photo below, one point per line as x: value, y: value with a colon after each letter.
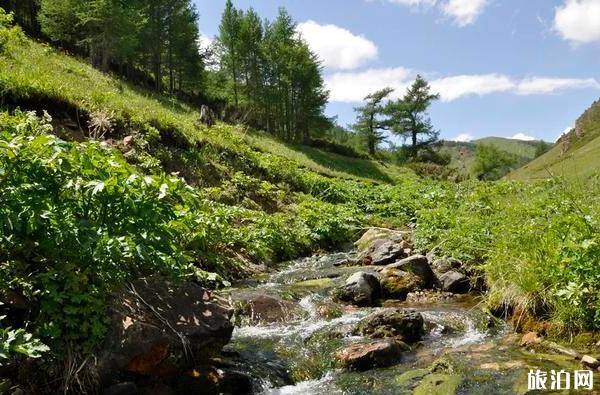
x: 360, y: 289
x: 445, y: 265
x: 214, y: 380
x: 590, y: 362
x: 396, y: 284
x: 158, y: 328
x: 127, y: 388
x: 369, y: 355
x: 428, y: 297
x: 381, y: 252
x: 406, y: 325
x: 454, y: 282
x: 418, y: 265
x: 261, y: 308
x: 530, y: 339
x: 374, y: 234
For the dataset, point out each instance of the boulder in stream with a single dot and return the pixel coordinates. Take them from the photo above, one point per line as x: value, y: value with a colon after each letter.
x: 374, y: 234
x: 445, y: 265
x: 417, y: 265
x: 454, y: 282
x: 369, y: 355
x: 159, y: 329
x: 403, y: 324
x: 397, y: 284
x: 361, y: 289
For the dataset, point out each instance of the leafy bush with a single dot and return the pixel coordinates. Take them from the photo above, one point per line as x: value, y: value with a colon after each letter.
x: 18, y: 342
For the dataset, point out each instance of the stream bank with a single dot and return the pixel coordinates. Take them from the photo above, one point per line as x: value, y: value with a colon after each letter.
x: 295, y: 330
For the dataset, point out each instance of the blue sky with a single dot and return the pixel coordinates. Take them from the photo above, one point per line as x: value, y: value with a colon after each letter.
x: 502, y: 67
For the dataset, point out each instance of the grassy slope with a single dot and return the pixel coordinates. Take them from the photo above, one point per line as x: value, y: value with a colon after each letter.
x: 463, y: 154
x: 39, y: 72
x: 581, y: 161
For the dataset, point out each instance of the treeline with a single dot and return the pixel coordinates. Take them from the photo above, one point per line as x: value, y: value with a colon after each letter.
x: 264, y: 76
x: 149, y: 41
x: 274, y: 81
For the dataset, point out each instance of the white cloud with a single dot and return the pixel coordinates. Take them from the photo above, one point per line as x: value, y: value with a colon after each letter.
x: 452, y: 88
x: 205, y: 41
x: 337, y: 47
x: 464, y: 12
x: 544, y: 85
x: 353, y: 87
x: 567, y: 130
x: 414, y: 3
x: 522, y: 136
x: 578, y: 20
x: 463, y: 138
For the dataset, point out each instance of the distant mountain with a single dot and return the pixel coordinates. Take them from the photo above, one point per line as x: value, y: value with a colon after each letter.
x: 576, y: 154
x: 463, y: 153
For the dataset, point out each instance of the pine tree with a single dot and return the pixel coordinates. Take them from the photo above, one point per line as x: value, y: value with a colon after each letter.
x: 229, y: 37
x: 371, y: 123
x: 409, y: 119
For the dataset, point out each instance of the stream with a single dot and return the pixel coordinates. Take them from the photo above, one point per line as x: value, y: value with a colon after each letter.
x: 291, y: 350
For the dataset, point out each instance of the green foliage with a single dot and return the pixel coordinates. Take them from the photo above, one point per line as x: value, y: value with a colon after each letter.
x: 491, y: 163
x: 18, y: 342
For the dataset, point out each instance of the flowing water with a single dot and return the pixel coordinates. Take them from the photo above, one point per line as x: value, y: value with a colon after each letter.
x: 294, y: 355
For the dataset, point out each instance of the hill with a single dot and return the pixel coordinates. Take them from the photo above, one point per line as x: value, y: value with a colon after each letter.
x: 575, y: 156
x: 462, y: 154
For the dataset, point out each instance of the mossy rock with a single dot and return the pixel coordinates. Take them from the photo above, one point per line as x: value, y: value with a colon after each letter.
x: 318, y: 283
x: 412, y: 376
x: 439, y: 384
x: 446, y: 365
x: 396, y: 283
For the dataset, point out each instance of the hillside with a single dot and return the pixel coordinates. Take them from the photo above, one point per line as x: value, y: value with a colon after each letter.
x: 575, y: 156
x: 462, y: 154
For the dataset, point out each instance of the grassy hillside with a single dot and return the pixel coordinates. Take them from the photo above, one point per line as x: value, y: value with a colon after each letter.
x: 161, y: 194
x: 463, y: 153
x: 576, y: 156
x: 38, y: 76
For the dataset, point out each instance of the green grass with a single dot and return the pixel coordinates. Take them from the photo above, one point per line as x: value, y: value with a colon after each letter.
x: 580, y: 161
x: 463, y: 154
x: 328, y: 163
x: 39, y: 74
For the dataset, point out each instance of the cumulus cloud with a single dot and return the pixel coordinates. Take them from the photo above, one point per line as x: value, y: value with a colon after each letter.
x: 578, y: 20
x: 352, y: 87
x: 464, y: 12
x: 522, y: 136
x: 462, y: 138
x: 337, y: 47
x: 452, y: 88
x: 541, y: 85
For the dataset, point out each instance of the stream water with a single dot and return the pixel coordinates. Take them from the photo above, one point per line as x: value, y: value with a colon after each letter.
x: 294, y: 354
